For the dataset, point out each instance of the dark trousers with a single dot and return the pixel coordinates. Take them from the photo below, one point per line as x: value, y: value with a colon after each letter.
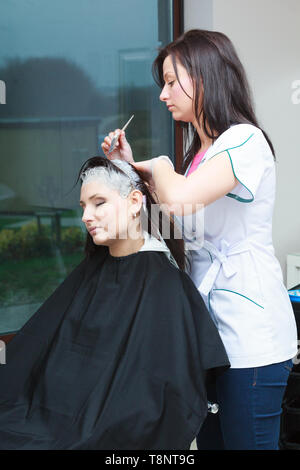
x: 249, y: 409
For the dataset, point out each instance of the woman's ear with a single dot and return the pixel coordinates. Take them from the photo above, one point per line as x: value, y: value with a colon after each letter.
x: 136, y: 201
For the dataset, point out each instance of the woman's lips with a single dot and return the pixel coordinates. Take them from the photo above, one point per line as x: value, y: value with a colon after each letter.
x: 93, y: 230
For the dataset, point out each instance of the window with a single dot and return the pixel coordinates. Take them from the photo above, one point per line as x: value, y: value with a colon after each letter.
x: 70, y: 71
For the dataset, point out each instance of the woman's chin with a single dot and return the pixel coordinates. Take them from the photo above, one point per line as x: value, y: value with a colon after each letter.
x: 102, y: 239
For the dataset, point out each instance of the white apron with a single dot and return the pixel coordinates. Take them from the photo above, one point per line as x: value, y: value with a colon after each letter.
x: 236, y: 270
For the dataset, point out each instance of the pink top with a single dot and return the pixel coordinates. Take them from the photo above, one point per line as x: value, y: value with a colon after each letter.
x: 196, y: 160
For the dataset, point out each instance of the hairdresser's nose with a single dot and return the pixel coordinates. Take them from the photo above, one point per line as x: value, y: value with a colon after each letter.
x: 164, y: 96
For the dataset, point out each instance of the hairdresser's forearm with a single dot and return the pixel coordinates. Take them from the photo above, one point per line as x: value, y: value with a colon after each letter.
x: 168, y: 183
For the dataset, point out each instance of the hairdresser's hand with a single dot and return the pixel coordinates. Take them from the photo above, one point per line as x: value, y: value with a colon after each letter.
x: 145, y: 169
x: 122, y: 150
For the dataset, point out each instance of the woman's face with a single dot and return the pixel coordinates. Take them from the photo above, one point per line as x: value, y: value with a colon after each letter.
x: 177, y: 101
x: 106, y: 214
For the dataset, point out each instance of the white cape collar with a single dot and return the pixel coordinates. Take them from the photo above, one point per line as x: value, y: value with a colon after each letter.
x: 153, y: 244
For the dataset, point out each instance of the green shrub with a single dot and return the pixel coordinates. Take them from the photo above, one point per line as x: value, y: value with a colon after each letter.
x: 7, y: 244
x: 72, y: 240
x: 28, y: 242
x: 32, y: 242
x: 24, y: 243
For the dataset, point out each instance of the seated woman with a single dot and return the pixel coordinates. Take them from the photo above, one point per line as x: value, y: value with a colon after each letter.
x: 119, y: 355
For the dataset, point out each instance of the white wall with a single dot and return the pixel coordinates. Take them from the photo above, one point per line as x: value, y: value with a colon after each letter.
x: 266, y: 35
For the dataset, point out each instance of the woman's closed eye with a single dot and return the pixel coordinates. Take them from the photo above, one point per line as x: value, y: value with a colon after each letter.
x: 99, y: 204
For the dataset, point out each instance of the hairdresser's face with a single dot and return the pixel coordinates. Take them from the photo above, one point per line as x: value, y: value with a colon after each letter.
x: 177, y: 101
x: 106, y: 212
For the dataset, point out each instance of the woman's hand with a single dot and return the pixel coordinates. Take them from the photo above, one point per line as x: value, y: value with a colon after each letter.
x: 122, y: 150
x: 145, y: 168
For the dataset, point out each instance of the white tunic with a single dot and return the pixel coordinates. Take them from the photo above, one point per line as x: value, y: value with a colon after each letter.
x: 236, y: 271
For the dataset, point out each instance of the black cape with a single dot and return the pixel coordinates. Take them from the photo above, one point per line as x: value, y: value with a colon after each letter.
x: 116, y: 358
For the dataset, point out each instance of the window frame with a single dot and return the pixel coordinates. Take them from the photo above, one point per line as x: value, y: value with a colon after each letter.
x: 178, y: 29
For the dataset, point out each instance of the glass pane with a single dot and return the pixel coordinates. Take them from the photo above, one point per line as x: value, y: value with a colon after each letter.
x: 70, y: 72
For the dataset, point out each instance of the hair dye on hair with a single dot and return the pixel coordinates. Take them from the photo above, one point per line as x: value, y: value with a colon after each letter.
x: 124, y: 177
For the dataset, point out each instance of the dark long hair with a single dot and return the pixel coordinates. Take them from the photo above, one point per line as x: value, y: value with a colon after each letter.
x: 211, y: 57
x: 175, y: 245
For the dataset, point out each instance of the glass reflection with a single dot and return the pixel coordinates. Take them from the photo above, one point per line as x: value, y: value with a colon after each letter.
x: 72, y: 71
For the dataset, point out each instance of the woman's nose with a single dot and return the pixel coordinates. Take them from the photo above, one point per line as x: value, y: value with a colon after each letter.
x: 164, y: 94
x: 86, y: 216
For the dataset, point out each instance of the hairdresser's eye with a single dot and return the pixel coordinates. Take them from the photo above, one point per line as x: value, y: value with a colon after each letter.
x: 171, y: 83
x: 100, y: 203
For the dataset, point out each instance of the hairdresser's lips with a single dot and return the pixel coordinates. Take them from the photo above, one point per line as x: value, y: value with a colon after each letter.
x: 93, y: 230
x: 170, y: 106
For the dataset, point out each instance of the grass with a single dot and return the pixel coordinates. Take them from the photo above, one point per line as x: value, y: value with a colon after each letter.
x: 33, y: 280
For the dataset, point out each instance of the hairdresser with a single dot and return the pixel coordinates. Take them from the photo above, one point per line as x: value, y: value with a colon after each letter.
x: 229, y: 168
